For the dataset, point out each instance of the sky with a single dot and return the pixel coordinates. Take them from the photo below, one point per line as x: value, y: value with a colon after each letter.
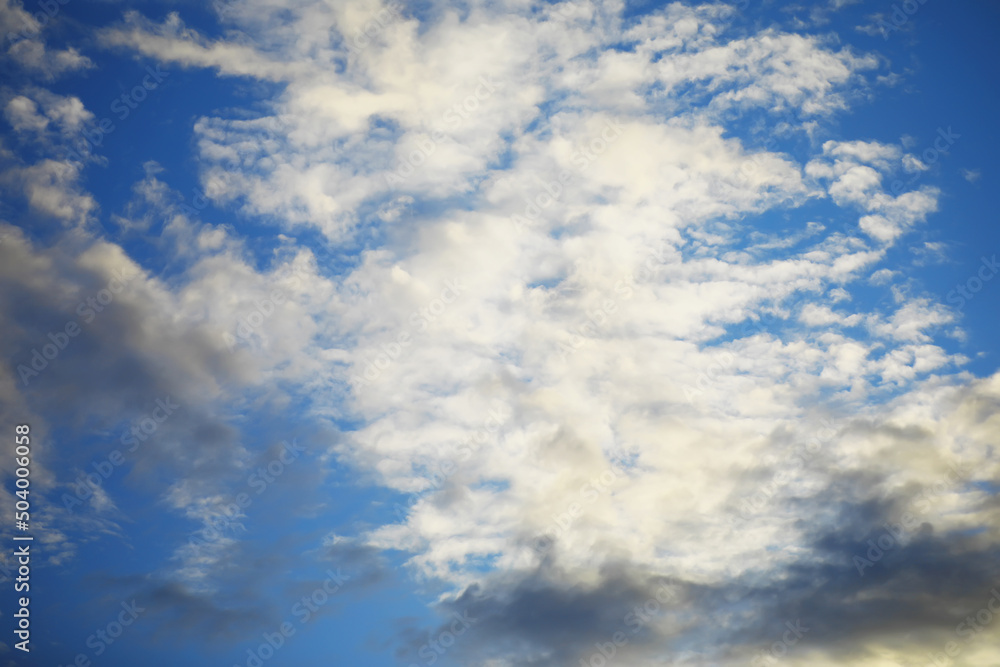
x: 500, y: 333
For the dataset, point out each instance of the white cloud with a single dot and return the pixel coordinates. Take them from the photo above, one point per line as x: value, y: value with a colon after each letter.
x: 912, y: 164
x: 35, y: 57
x: 496, y: 369
x: 173, y: 42
x: 971, y: 175
x: 22, y: 113
x: 625, y: 318
x: 24, y: 44
x: 882, y: 276
x: 817, y: 316
x: 855, y: 170
x: 51, y: 188
x: 913, y: 318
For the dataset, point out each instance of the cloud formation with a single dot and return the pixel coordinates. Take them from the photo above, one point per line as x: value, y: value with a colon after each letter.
x: 551, y: 306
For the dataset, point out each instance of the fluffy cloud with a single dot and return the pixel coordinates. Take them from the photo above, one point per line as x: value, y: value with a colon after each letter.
x: 24, y: 45
x: 552, y: 322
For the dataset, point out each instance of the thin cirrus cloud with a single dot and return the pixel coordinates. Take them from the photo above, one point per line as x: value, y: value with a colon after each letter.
x: 558, y: 320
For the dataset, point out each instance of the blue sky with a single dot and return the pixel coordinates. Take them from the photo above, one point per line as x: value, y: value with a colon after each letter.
x: 503, y: 333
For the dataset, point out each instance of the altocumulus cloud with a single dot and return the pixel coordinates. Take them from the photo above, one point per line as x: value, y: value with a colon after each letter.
x: 643, y: 392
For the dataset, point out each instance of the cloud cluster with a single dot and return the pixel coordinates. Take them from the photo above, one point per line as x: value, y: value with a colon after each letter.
x: 595, y: 332
x: 23, y: 43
